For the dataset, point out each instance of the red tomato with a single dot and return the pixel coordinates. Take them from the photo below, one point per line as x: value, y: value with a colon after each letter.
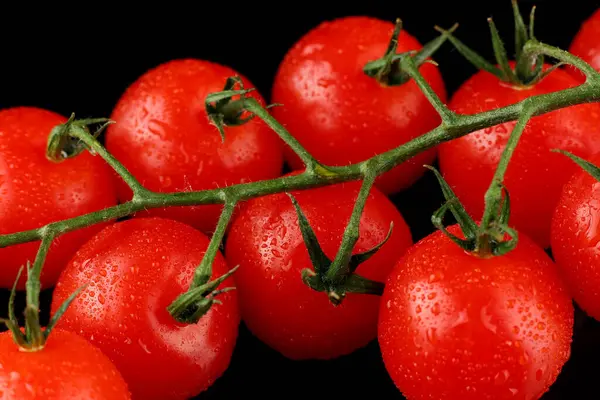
x: 341, y: 115
x: 576, y: 236
x: 164, y: 137
x: 35, y: 191
x: 535, y: 174
x: 586, y: 43
x: 135, y: 269
x: 68, y: 367
x: 456, y: 326
x: 276, y: 305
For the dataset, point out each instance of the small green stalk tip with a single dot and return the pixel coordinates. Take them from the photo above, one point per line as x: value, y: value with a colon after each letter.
x: 388, y: 71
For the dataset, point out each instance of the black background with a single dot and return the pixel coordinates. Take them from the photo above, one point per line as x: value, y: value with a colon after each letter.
x: 77, y: 60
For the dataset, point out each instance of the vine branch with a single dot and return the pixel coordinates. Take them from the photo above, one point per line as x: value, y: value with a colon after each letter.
x: 339, y: 274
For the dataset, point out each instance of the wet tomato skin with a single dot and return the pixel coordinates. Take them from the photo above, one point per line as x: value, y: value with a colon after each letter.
x: 35, y: 191
x: 67, y: 368
x: 456, y: 326
x: 135, y: 269
x: 163, y: 136
x: 276, y: 305
x: 576, y: 239
x: 535, y: 174
x: 341, y: 115
x: 586, y: 44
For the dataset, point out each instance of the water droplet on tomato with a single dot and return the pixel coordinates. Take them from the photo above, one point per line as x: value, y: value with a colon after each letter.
x: 431, y: 295
x: 418, y: 309
x: 539, y: 374
x: 101, y: 298
x: 501, y: 377
x: 435, y: 310
x: 431, y: 335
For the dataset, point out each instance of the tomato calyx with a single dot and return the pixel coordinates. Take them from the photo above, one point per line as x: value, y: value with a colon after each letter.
x: 528, y: 70
x: 485, y: 240
x: 192, y: 305
x: 321, y: 279
x: 388, y: 71
x: 34, y: 338
x: 587, y: 166
x: 223, y: 110
x: 64, y: 143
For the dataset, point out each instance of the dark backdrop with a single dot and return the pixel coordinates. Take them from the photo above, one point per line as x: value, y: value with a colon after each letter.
x: 77, y: 60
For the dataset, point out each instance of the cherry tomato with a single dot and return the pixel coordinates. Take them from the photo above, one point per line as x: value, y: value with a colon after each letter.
x: 535, y: 174
x: 586, y: 43
x: 163, y: 136
x: 35, y: 191
x: 341, y: 115
x: 134, y: 270
x: 67, y: 368
x: 265, y: 240
x: 457, y: 326
x: 576, y: 236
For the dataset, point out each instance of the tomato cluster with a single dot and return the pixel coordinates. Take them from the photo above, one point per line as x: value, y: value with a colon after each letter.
x: 450, y: 323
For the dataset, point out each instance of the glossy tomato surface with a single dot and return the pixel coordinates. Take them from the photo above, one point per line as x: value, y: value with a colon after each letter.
x: 456, y: 326
x: 576, y: 239
x: 276, y: 305
x: 586, y: 43
x: 67, y: 368
x: 535, y: 174
x: 35, y: 191
x: 341, y: 115
x: 163, y: 136
x: 135, y: 269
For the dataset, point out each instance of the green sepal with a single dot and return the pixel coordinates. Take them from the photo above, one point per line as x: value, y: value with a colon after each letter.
x: 357, y: 259
x: 472, y: 56
x: 521, y: 35
x: 318, y: 258
x: 500, y: 53
x: 60, y: 311
x: 587, y: 166
x: 437, y: 219
x: 466, y: 223
x: 501, y: 247
x: 190, y: 306
x: 387, y: 69
x: 62, y: 142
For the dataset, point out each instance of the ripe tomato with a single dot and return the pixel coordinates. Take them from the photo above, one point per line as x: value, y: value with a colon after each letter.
x: 265, y: 240
x: 164, y: 137
x: 341, y: 115
x: 68, y: 367
x: 457, y: 326
x: 535, y: 175
x: 135, y: 269
x: 575, y: 239
x: 35, y: 191
x: 586, y: 43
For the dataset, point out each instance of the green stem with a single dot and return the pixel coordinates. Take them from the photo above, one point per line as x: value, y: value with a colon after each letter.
x: 253, y: 106
x: 90, y: 141
x: 410, y: 67
x: 461, y: 126
x: 33, y: 287
x: 316, y: 175
x: 204, y: 271
x: 340, y: 267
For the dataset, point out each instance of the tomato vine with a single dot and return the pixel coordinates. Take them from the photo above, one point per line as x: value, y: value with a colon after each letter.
x: 227, y: 107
